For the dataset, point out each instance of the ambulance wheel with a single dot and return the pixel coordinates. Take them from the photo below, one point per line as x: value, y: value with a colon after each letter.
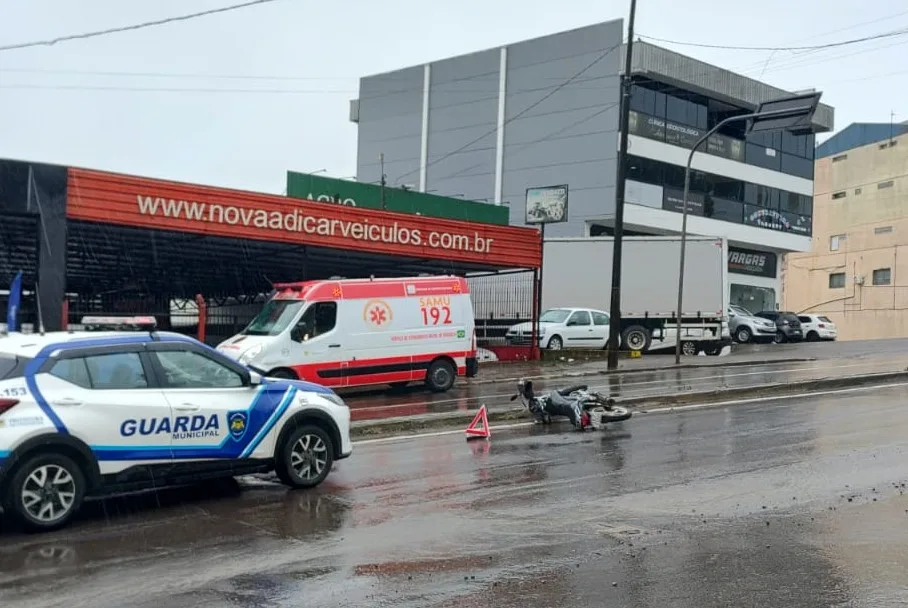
x: 45, y: 492
x: 305, y: 458
x: 441, y: 375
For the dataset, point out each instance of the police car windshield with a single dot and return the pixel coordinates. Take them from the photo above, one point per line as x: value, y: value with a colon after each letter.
x: 555, y: 315
x: 274, y: 318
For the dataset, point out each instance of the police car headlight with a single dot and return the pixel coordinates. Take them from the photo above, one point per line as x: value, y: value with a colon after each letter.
x: 335, y: 399
x: 251, y: 354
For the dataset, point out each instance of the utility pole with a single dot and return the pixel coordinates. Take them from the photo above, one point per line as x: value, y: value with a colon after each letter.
x: 614, y: 334
x: 381, y: 162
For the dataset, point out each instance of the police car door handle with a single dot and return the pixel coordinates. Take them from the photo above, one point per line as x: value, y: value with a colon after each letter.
x: 187, y: 407
x: 334, y: 346
x: 67, y: 401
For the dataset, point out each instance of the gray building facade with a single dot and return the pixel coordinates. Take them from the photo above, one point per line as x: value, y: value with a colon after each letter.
x: 488, y: 125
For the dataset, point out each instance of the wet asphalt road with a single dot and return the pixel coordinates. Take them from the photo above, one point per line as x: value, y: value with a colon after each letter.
x: 415, y: 400
x: 784, y: 503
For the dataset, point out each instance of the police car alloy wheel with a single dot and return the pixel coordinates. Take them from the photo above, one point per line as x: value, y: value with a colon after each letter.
x: 46, y: 491
x: 306, y: 457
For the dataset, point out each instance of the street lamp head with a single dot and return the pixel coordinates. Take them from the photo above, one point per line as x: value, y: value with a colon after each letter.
x: 793, y: 114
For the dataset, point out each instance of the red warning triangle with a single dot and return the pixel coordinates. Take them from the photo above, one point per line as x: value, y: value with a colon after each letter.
x: 480, y: 425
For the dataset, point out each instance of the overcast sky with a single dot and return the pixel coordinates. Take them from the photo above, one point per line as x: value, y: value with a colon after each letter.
x: 237, y: 99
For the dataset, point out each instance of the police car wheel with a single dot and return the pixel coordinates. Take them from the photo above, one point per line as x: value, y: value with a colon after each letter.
x: 46, y: 491
x: 440, y: 376
x: 305, y: 459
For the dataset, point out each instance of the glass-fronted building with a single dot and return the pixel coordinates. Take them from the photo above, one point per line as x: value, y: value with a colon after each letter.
x: 490, y: 125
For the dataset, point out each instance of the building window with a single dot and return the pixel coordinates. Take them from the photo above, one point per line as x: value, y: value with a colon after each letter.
x: 882, y: 185
x: 857, y: 191
x: 882, y: 230
x: 836, y: 241
x: 838, y: 194
x: 836, y: 159
x: 882, y: 276
x: 837, y: 280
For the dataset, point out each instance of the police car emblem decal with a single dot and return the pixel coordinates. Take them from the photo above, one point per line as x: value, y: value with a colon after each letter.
x: 236, y: 423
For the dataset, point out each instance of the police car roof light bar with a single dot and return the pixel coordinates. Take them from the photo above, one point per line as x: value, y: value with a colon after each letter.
x: 134, y: 323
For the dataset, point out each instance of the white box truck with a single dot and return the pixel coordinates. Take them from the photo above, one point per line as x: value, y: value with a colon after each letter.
x: 577, y: 273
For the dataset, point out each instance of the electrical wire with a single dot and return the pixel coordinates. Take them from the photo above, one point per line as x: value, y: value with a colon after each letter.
x: 828, y: 45
x: 533, y: 105
x: 137, y: 26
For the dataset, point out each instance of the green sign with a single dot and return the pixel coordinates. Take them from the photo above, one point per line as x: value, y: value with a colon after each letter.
x: 357, y: 194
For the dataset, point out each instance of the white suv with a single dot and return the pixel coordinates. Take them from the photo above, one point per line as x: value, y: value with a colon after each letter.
x: 85, y: 414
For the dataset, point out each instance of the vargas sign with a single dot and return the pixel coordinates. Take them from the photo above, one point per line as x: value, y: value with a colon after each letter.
x: 749, y: 261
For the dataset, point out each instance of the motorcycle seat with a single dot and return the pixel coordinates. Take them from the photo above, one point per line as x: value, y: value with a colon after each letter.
x: 577, y: 387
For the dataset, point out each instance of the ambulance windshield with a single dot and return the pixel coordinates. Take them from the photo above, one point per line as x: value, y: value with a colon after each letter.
x: 275, y: 317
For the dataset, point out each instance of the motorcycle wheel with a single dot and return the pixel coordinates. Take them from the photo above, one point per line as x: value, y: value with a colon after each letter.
x: 616, y: 414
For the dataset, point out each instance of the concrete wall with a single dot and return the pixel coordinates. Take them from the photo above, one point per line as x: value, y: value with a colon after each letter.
x: 390, y: 122
x: 854, y: 199
x: 571, y: 137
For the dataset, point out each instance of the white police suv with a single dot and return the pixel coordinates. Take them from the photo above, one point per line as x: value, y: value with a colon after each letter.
x: 84, y: 414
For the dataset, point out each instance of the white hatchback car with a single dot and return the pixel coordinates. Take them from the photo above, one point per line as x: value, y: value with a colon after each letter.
x: 85, y: 414
x: 818, y: 327
x: 565, y: 328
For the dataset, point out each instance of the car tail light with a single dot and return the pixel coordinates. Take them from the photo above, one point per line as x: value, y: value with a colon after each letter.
x: 7, y: 404
x: 474, y: 342
x: 821, y: 326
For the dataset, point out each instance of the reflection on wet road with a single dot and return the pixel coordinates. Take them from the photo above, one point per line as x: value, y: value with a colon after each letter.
x: 777, y: 504
x: 370, y: 405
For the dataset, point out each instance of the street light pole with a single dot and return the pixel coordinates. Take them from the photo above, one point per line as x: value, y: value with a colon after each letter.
x: 788, y: 112
x: 614, y: 331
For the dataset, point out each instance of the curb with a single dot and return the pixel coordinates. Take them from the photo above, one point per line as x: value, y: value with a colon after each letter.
x: 403, y: 425
x: 578, y: 374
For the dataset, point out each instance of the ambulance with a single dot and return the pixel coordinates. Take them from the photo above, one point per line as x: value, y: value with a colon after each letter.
x: 362, y: 332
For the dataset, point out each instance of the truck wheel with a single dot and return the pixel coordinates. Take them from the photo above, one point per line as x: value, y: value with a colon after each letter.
x: 440, y: 376
x: 46, y: 491
x: 712, y: 350
x: 689, y: 349
x: 636, y: 337
x: 743, y: 335
x: 305, y: 459
x: 555, y: 343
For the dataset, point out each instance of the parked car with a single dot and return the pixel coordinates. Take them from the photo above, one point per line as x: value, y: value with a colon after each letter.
x: 564, y: 328
x: 746, y: 327
x: 818, y: 327
x: 788, y: 327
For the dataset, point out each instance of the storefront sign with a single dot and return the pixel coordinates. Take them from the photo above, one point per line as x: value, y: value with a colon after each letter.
x: 749, y: 261
x: 777, y: 220
x: 673, y: 200
x: 547, y: 205
x: 125, y: 200
x: 684, y: 136
x: 358, y: 194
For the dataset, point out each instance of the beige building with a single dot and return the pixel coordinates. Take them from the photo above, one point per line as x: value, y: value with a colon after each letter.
x: 856, y: 271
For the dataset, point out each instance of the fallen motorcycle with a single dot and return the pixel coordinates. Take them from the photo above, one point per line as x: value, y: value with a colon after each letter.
x: 583, y: 407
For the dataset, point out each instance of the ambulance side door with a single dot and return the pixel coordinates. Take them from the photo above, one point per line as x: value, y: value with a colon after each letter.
x: 317, y: 341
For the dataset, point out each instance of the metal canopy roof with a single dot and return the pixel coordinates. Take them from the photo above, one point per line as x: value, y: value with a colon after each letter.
x: 103, y: 258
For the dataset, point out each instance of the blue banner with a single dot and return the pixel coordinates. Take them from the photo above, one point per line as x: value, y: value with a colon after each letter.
x: 15, y: 299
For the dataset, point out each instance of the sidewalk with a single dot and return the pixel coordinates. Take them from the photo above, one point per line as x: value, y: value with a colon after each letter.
x: 494, y: 372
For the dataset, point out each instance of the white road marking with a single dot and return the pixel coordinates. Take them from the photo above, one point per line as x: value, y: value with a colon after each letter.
x: 661, y: 410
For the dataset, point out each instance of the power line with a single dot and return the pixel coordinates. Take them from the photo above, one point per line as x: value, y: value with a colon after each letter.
x: 829, y: 45
x: 519, y: 114
x: 137, y: 26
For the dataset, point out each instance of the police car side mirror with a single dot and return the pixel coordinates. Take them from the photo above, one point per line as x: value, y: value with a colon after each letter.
x: 254, y: 378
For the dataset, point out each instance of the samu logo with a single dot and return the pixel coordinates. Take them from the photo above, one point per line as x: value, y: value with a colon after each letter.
x: 237, y: 423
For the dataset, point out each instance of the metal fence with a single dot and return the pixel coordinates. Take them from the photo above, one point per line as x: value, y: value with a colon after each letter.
x: 500, y: 301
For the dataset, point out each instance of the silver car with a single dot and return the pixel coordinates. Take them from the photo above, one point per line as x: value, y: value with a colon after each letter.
x: 745, y: 327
